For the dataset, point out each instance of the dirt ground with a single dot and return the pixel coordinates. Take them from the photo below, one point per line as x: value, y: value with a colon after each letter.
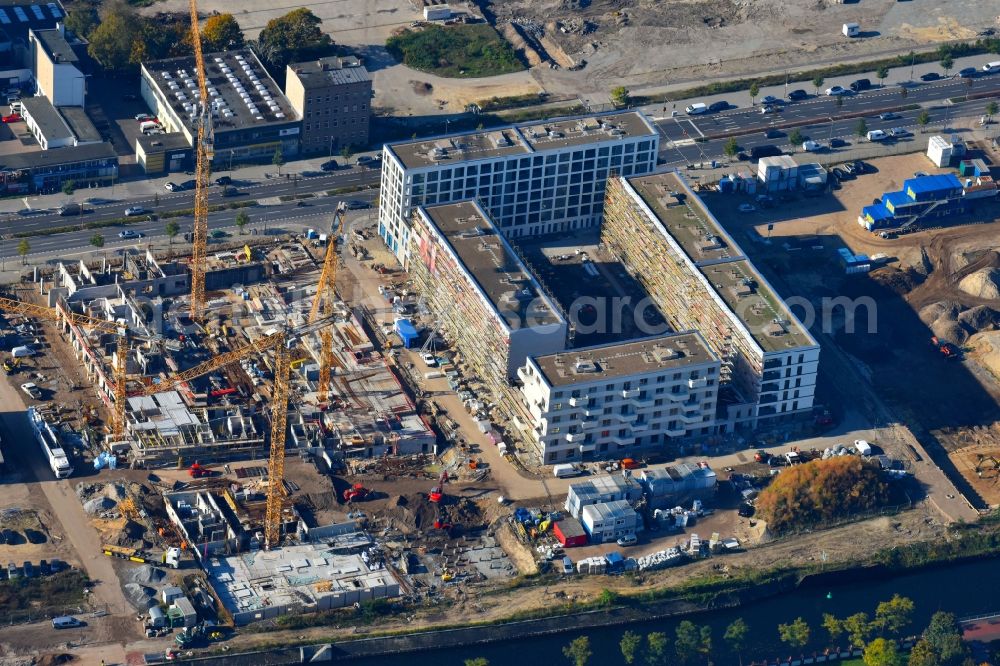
x: 954, y: 405
x: 710, y: 38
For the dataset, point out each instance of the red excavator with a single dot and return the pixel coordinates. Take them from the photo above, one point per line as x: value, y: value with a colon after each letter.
x: 437, y: 492
x: 196, y: 471
x: 356, y: 492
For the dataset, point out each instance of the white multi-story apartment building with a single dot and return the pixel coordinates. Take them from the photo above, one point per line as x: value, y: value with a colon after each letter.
x: 534, y: 178
x: 484, y: 299
x: 699, y: 278
x: 619, y: 399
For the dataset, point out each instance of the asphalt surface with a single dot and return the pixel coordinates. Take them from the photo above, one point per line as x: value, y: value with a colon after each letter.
x: 684, y: 140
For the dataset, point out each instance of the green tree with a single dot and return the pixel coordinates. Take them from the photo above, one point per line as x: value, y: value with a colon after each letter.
x: 279, y: 159
x: 796, y: 139
x: 923, y: 119
x: 818, y: 83
x: 97, y: 240
x: 858, y: 629
x: 833, y: 626
x: 81, y: 19
x: 23, y: 248
x: 892, y: 616
x: 688, y: 641
x: 630, y: 644
x: 221, y: 32
x: 578, y: 651
x: 620, y: 96
x: 945, y: 639
x: 923, y: 654
x: 731, y: 147
x: 947, y: 62
x: 478, y: 661
x: 242, y: 220
x: 705, y: 641
x: 754, y: 91
x: 991, y: 110
x: 861, y: 129
x: 606, y: 598
x: 796, y: 633
x: 656, y: 648
x: 68, y: 187
x: 171, y: 229
x: 113, y: 41
x: 291, y: 38
x: 839, y: 101
x: 882, y: 73
x: 346, y: 153
x: 882, y: 652
x: 736, y: 636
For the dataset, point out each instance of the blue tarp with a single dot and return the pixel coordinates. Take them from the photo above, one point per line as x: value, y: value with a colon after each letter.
x: 407, y: 332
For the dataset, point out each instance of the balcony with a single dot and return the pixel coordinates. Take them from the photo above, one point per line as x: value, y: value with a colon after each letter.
x: 625, y: 418
x: 678, y: 397
x: 630, y: 393
x: 769, y: 387
x: 578, y: 402
x: 640, y: 427
x: 701, y: 382
x: 591, y: 412
x: 575, y: 437
x: 691, y: 417
x: 771, y: 375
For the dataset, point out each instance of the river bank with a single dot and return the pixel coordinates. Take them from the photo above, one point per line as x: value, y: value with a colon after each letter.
x: 940, y: 569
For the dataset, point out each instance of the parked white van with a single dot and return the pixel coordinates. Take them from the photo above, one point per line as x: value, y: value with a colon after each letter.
x: 696, y: 108
x: 876, y: 135
x: 564, y: 471
x: 148, y: 125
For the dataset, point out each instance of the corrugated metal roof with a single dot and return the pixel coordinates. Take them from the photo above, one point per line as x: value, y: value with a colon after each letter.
x: 936, y: 183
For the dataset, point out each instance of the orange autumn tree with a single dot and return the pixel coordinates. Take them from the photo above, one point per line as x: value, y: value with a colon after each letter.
x: 821, y: 491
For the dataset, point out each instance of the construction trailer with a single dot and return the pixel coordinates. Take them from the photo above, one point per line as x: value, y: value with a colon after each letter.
x: 700, y: 279
x: 569, y: 532
x: 923, y: 201
x: 601, y: 489
x: 609, y: 521
x: 667, y: 487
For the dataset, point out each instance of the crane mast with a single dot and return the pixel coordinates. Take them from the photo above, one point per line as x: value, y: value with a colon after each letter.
x: 326, y: 294
x: 204, y: 150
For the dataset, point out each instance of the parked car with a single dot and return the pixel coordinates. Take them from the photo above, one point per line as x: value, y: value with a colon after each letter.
x: 797, y: 95
x: 930, y: 76
x: 357, y: 204
x: 899, y: 132
x: 143, y: 117
x: 837, y: 143
x: 70, y: 209
x: 746, y: 208
x: 65, y: 622
x: 770, y: 99
x: 768, y: 150
x: 188, y: 185
x: 696, y: 109
x: 128, y: 233
x: 861, y: 84
x: 229, y: 191
x: 715, y: 107
x: 329, y: 165
x: 223, y: 181
x: 773, y: 133
x: 172, y: 186
x: 429, y: 359
x: 134, y: 210
x: 812, y: 146
x: 968, y: 73
x: 767, y: 108
x: 29, y: 569
x: 889, y: 115
x: 368, y: 160
x: 32, y: 390
x: 13, y: 571
x: 860, y: 168
x: 43, y: 568
x: 12, y: 118
x: 627, y: 540
x: 567, y: 566
x: 836, y: 90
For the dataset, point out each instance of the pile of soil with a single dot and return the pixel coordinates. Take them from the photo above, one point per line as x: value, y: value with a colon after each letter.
x: 413, y: 513
x: 146, y: 575
x: 98, y: 505
x: 948, y: 321
x: 141, y: 597
x: 54, y: 659
x: 984, y: 283
x: 897, y: 281
x: 980, y: 318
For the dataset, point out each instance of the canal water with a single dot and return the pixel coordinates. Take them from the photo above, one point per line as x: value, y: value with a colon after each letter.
x: 964, y: 589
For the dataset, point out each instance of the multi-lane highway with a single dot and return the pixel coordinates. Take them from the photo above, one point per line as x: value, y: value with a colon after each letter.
x: 684, y: 140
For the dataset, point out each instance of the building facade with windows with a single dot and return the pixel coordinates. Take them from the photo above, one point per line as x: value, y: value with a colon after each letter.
x: 622, y: 399
x: 699, y: 278
x: 333, y: 97
x: 535, y: 178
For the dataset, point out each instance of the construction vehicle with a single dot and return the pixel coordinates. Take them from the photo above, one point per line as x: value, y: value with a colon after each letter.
x: 994, y: 464
x: 437, y: 492
x: 10, y: 365
x: 196, y: 471
x: 171, y: 557
x: 946, y: 349
x: 356, y: 492
x: 762, y: 456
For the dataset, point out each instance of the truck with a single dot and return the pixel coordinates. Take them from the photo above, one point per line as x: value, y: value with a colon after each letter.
x: 48, y: 441
x: 564, y: 471
x: 171, y: 557
x: 851, y: 30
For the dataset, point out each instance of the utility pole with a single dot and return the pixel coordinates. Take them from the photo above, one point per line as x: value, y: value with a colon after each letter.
x: 913, y: 57
x: 786, y: 83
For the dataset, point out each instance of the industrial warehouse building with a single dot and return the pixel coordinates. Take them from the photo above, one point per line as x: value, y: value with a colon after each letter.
x: 252, y: 118
x: 699, y: 278
x: 485, y: 300
x: 535, y: 178
x: 618, y: 399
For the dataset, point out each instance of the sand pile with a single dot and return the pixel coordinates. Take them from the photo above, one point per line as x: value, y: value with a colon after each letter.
x: 140, y: 596
x: 979, y: 318
x: 146, y: 575
x: 98, y: 505
x: 984, y: 283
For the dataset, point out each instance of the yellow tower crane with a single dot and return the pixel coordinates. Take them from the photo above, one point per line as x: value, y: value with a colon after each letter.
x: 205, y: 151
x: 326, y: 296
x: 121, y: 352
